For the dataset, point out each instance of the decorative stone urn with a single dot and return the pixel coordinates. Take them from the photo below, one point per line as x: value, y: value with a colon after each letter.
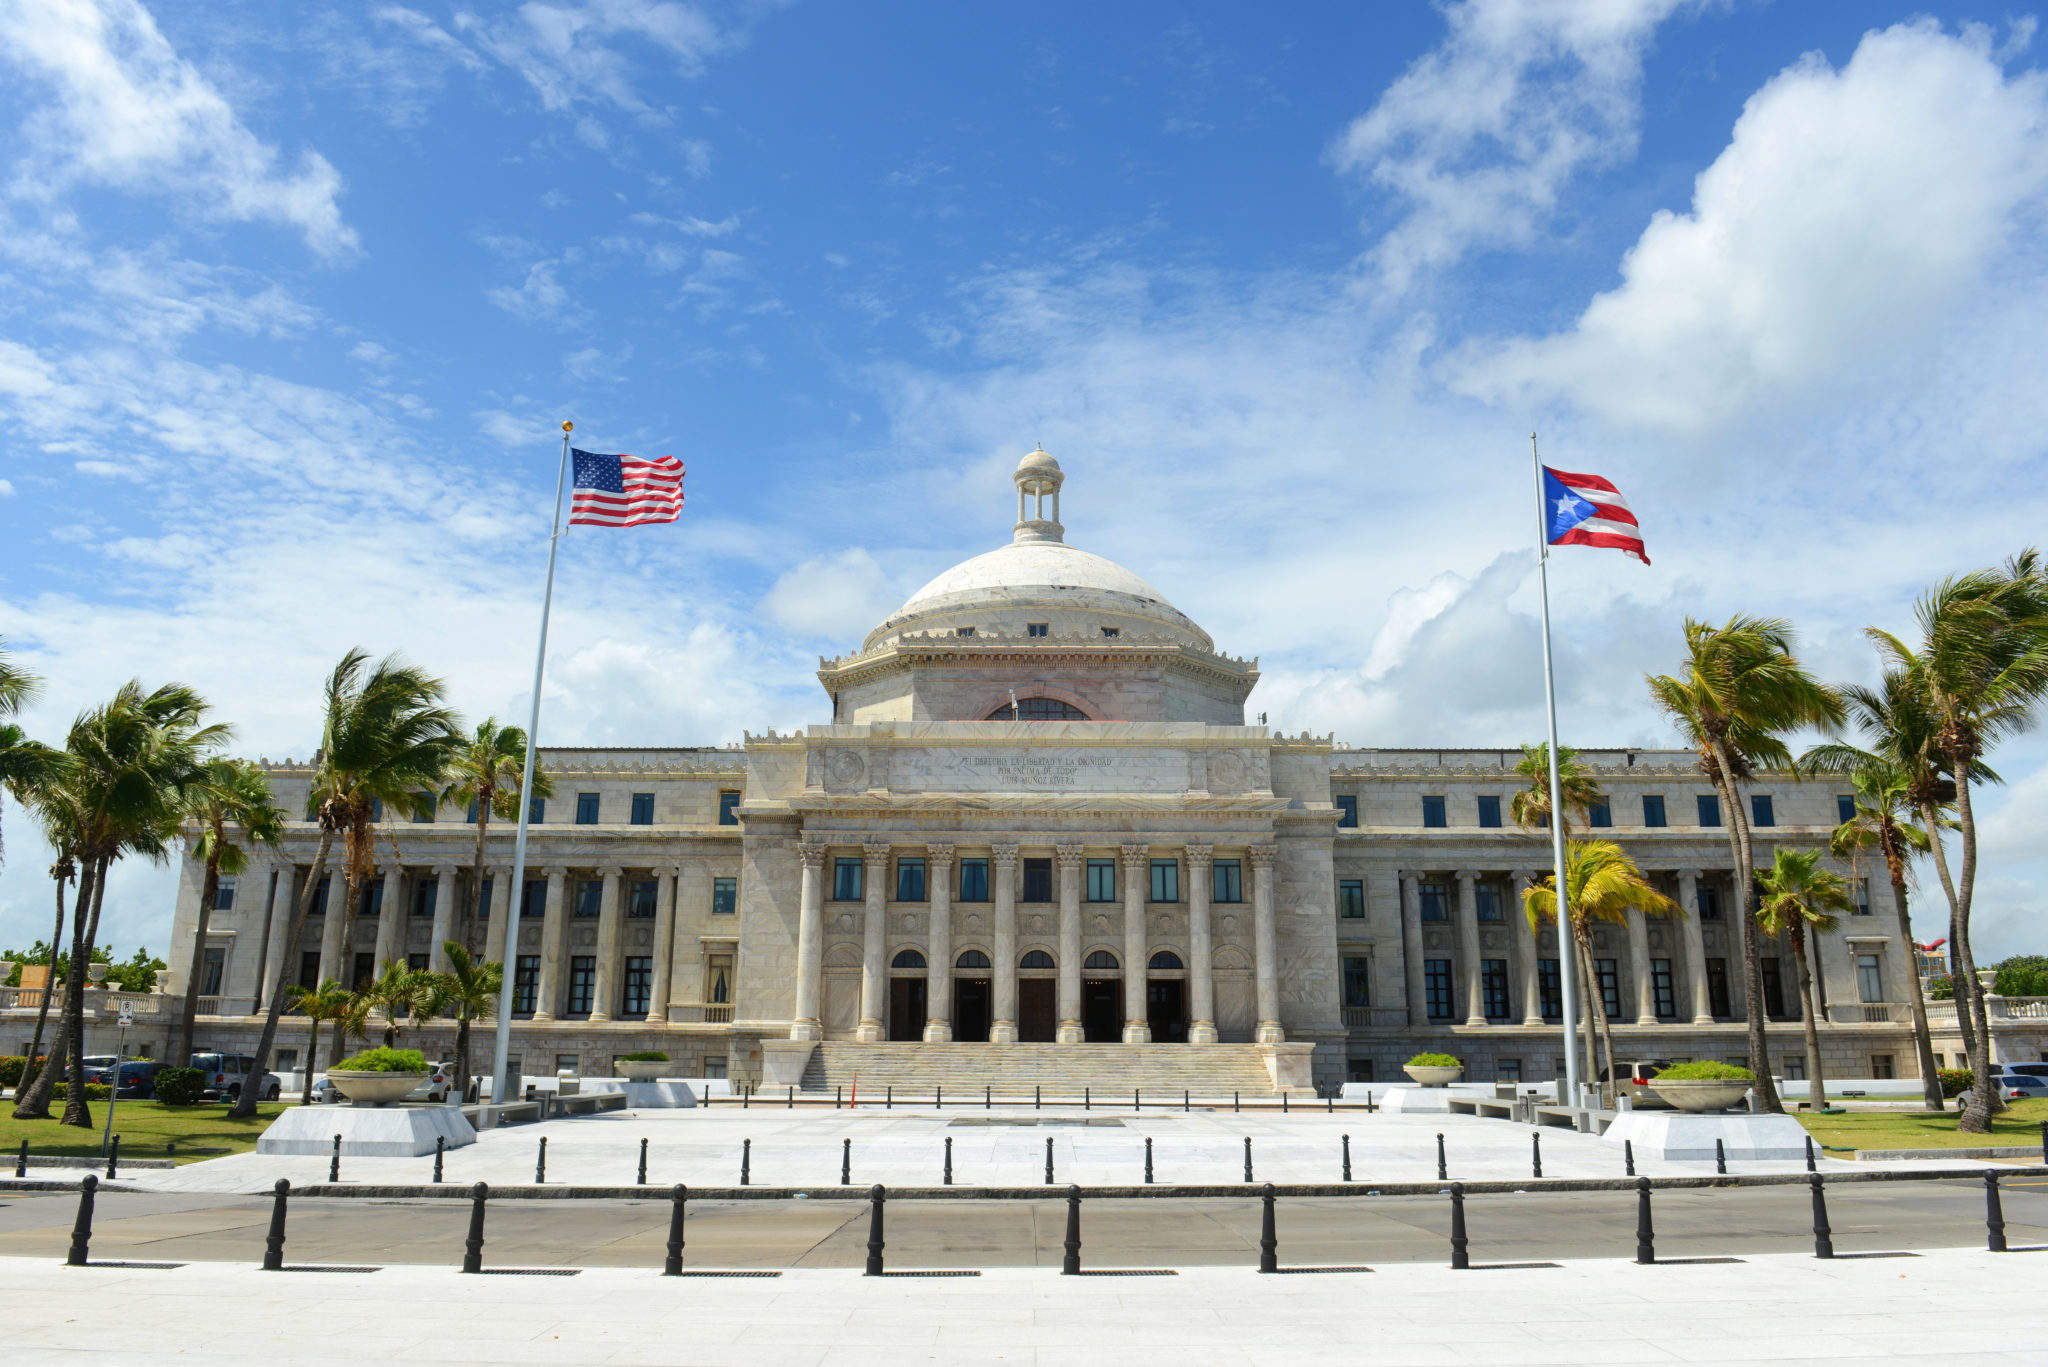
x: 374, y: 1089
x: 96, y: 973
x: 1701, y: 1094
x: 1432, y: 1076
x: 642, y: 1069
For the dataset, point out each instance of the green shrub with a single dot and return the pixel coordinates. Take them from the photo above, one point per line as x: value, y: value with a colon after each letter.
x: 1434, y: 1061
x: 11, y: 1069
x: 1941, y: 990
x: 644, y: 1056
x: 94, y: 1091
x: 2023, y: 975
x: 1705, y: 1070
x: 179, y: 1086
x: 1956, y: 1081
x: 383, y: 1061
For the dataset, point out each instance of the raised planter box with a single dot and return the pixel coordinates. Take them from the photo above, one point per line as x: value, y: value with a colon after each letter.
x: 1427, y: 1076
x: 375, y: 1089
x: 1698, y: 1096
x: 642, y: 1070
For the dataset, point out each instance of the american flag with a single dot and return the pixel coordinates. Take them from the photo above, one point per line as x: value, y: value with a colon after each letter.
x: 1586, y: 510
x: 624, y: 491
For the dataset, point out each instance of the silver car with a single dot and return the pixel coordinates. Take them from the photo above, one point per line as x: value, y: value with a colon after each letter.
x: 226, y: 1074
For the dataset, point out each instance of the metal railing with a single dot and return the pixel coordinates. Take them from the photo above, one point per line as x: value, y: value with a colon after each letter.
x: 700, y: 1013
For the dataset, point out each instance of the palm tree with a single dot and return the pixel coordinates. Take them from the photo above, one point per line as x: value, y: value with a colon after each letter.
x: 229, y: 792
x: 1530, y: 806
x: 468, y: 990
x: 398, y: 992
x: 329, y: 1002
x: 1800, y: 898
x: 487, y: 771
x: 1981, y: 669
x: 1601, y: 884
x: 1741, y: 688
x: 32, y: 773
x: 385, y: 738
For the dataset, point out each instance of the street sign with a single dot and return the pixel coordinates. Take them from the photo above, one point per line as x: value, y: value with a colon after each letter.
x: 127, y: 1014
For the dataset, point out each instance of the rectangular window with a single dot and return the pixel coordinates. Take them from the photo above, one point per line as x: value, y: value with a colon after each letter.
x: 1493, y: 987
x: 1793, y: 1067
x: 416, y: 962
x: 224, y: 894
x: 1433, y: 812
x: 910, y: 880
x: 1507, y: 1070
x: 1490, y: 902
x: 1859, y: 888
x: 1112, y: 631
x: 371, y: 898
x: 1227, y: 881
x: 536, y: 811
x: 582, y: 983
x: 1709, y: 808
x: 1610, y: 987
x: 1489, y: 810
x: 309, y: 972
x: 846, y: 880
x: 483, y: 899
x: 1549, y: 989
x: 1036, y: 628
x: 728, y: 809
x: 589, y: 897
x: 365, y: 971
x: 1845, y: 808
x: 1760, y: 810
x: 1347, y: 810
x: 1662, y: 988
x: 1707, y: 898
x: 586, y: 809
x: 376, y: 809
x: 1436, y: 988
x: 1351, y: 899
x: 210, y: 972
x: 1653, y: 809
x: 426, y: 894
x: 425, y: 808
x: 639, y: 984
x: 1869, y: 978
x: 287, y: 1060
x: 525, y: 984
x: 973, y: 880
x: 319, y: 907
x: 1599, y: 814
x: 1718, y: 1000
x: 1774, y: 989
x: 470, y: 815
x: 643, y: 809
x: 568, y: 1063
x: 1881, y: 1067
x: 1436, y: 902
x: 641, y: 902
x: 1165, y: 880
x: 1358, y: 982
x: 533, y: 899
x: 1037, y: 880
x: 1102, y: 880
x: 725, y: 896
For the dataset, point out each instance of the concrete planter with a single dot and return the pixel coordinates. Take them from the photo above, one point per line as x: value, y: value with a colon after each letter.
x: 642, y: 1070
x: 375, y: 1089
x: 1433, y: 1076
x: 1702, y: 1094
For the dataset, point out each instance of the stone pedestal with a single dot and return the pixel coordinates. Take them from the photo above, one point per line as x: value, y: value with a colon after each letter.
x: 1683, y: 1137
x: 783, y: 1061
x: 644, y: 1096
x: 1288, y: 1065
x: 366, y: 1131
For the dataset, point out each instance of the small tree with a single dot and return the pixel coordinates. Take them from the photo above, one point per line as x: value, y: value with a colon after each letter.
x: 487, y: 770
x: 1798, y: 896
x: 400, y: 992
x: 229, y: 793
x: 1530, y: 805
x: 469, y: 992
x: 329, y: 1002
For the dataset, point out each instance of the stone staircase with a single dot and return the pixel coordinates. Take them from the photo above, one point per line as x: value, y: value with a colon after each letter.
x: 1062, y: 1070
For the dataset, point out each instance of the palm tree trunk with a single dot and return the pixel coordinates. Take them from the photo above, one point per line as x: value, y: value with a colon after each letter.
x: 312, y: 1059
x: 1596, y: 1009
x: 1816, y: 1086
x: 1606, y: 1028
x: 1984, y: 1101
x: 1923, y: 1038
x: 83, y: 931
x: 462, y: 1054
x: 208, y: 890
x: 32, y: 1098
x: 1967, y: 1027
x: 476, y: 874
x: 246, y: 1106
x: 1765, y: 1089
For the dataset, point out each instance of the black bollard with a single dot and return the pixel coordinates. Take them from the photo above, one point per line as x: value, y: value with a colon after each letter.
x: 1233, y: 1103
x: 846, y: 1162
x: 2044, y: 1143
x: 1330, y: 1104
x: 1269, y: 1238
x: 746, y: 1162
x: 440, y: 1149
x: 939, y: 1099
x: 1823, y: 1237
x: 1460, y: 1258
x: 1184, y: 1106
x: 1283, y: 1103
x: 792, y: 1100
x: 984, y: 1096
x: 81, y: 1230
x: 1535, y: 1153
x: 889, y: 1097
x: 114, y: 1158
x: 1347, y: 1158
x: 1442, y: 1170
x: 875, y: 1198
x: 1148, y: 1160
x: 838, y: 1097
x: 1247, y: 1158
x: 1628, y: 1155
x: 1087, y: 1099
x: 746, y: 1096
x: 473, y: 1246
x: 1994, y: 1215
x: 1809, y: 1155
x: 21, y: 1161
x: 949, y: 1161
x: 273, y: 1242
x: 1135, y: 1106
x: 334, y: 1163
x: 540, y: 1164
x: 641, y: 1180
x: 1036, y: 1098
x: 672, y: 1266
x: 1048, y: 1160
x: 1646, y: 1235
x: 1070, y: 1266
x: 1720, y: 1157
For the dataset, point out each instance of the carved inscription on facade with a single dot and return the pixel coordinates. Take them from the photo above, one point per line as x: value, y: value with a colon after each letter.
x: 1096, y: 771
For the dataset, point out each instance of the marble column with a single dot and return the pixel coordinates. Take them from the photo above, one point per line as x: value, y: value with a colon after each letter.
x: 938, y: 1009
x: 664, y: 942
x: 1695, y: 947
x: 1527, y: 948
x: 874, y: 947
x: 1201, y: 948
x: 1137, y: 863
x: 1639, y: 968
x: 1070, y: 861
x: 1003, y: 1027
x: 1411, y: 938
x: 392, y: 914
x: 334, y: 924
x: 1266, y: 945
x: 686, y: 963
x: 810, y: 944
x: 1468, y: 946
x: 607, y: 980
x: 282, y: 959
x: 444, y: 917
x: 544, y: 998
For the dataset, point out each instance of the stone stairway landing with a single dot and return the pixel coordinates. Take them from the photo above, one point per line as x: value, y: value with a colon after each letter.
x: 1014, y: 1070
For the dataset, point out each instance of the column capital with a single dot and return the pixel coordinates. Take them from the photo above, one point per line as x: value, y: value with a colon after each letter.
x: 1467, y: 875
x: 813, y: 853
x: 556, y: 873
x: 610, y: 870
x: 1693, y: 874
x: 941, y: 856
x: 1523, y: 875
x: 1135, y: 856
x: 875, y: 851
x: 1070, y: 856
x: 1199, y: 856
x: 447, y: 870
x: 1005, y: 856
x: 1261, y: 855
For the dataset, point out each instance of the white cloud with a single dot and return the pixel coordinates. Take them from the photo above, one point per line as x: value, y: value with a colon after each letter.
x: 837, y: 598
x: 6, y: 489
x: 569, y: 52
x: 1478, y: 138
x: 131, y: 113
x: 539, y: 296
x: 1852, y: 213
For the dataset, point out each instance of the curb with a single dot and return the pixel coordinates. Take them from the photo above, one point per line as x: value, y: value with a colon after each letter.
x: 1896, y: 1155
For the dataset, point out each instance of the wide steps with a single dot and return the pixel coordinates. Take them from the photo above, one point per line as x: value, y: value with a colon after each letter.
x: 1019, y: 1069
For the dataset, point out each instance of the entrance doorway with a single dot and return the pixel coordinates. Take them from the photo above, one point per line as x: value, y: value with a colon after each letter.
x: 907, y: 1014
x: 972, y: 1003
x: 1166, y: 1010
x: 1038, y: 1011
x: 1102, y: 1014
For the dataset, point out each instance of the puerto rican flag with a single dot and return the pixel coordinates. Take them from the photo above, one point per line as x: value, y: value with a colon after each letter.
x: 1586, y: 510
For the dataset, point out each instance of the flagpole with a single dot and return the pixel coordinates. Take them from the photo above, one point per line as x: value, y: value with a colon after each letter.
x: 516, y: 901
x: 1561, y: 898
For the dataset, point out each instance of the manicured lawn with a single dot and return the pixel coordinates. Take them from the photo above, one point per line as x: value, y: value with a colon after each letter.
x: 2020, y: 1125
x: 146, y: 1129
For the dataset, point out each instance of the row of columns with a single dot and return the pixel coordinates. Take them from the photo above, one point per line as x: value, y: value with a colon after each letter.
x: 1070, y: 859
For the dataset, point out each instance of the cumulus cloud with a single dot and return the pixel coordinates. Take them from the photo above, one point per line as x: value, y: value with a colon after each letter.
x: 131, y: 113
x: 1852, y: 212
x: 837, y: 598
x: 570, y: 52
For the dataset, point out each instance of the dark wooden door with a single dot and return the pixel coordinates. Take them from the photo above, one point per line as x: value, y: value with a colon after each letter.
x: 971, y: 1009
x: 1102, y: 1010
x: 1038, y: 1010
x: 1166, y: 1010
x: 907, y: 1013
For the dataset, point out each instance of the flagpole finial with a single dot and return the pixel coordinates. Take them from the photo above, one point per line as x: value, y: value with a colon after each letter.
x: 568, y: 427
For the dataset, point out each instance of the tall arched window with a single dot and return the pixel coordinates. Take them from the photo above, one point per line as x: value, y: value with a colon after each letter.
x: 908, y: 958
x: 1039, y: 709
x: 1037, y: 958
x: 972, y: 958
x: 1167, y: 959
x: 1101, y: 958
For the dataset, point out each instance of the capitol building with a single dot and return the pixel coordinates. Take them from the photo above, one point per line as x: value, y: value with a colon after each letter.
x: 1036, y: 838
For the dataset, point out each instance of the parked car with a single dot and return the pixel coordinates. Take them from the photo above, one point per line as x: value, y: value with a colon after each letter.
x: 2020, y: 1086
x: 227, y: 1074
x: 2026, y: 1069
x: 138, y: 1077
x: 324, y: 1092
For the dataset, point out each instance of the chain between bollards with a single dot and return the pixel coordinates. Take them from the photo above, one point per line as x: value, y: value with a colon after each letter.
x: 540, y: 1164
x: 746, y: 1162
x: 1720, y: 1157
x: 1823, y: 1237
x: 641, y: 1180
x: 473, y: 1246
x: 1460, y: 1256
x: 1994, y: 1215
x: 1535, y: 1153
x: 678, y: 1196
x: 875, y: 1198
x: 1347, y: 1158
x: 1048, y: 1160
x: 1148, y: 1160
x: 1443, y: 1170
x: 273, y: 1242
x: 949, y: 1161
x: 440, y: 1150
x: 846, y: 1162
x: 1070, y: 1266
x: 1269, y: 1239
x: 81, y: 1229
x: 1247, y: 1158
x: 1646, y: 1234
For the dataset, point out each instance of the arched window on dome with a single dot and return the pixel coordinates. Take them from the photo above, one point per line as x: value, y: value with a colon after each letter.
x: 972, y: 958
x: 908, y: 958
x: 1039, y: 709
x: 1166, y: 959
x: 1101, y: 958
x: 1036, y: 958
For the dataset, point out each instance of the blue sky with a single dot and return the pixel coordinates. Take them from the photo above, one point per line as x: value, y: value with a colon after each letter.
x: 294, y: 302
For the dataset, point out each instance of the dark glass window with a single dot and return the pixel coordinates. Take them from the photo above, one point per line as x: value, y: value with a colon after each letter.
x: 1653, y: 809
x: 424, y: 807
x: 1610, y: 987
x: 907, y: 958
x: 1489, y: 900
x: 1599, y: 814
x: 643, y: 809
x: 309, y: 969
x: 910, y: 880
x: 1707, y: 898
x: 1038, y: 709
x: 1845, y: 807
x: 1493, y: 986
x: 1166, y: 961
x: 586, y: 809
x: 470, y: 815
x: 846, y: 880
x: 1433, y: 812
x: 1036, y: 958
x: 1358, y: 982
x: 533, y: 900
x: 1710, y: 809
x: 582, y: 983
x: 1760, y: 813
x: 589, y: 898
x: 483, y: 899
x: 320, y: 895
x: 1663, y: 989
x: 1347, y: 810
x: 525, y: 984
x: 376, y: 809
x: 644, y: 898
x: 1436, y: 988
x: 1165, y: 880
x: 1227, y: 881
x: 1351, y: 898
x: 639, y: 984
x: 725, y: 896
x: 1037, y: 880
x: 728, y: 809
x: 1549, y: 989
x: 1774, y: 989
x: 372, y: 897
x: 537, y: 811
x: 1112, y: 631
x: 1489, y: 810
x: 1717, y: 988
x: 416, y: 962
x: 224, y: 894
x: 366, y: 971
x: 973, y: 880
x: 1100, y: 959
x: 1036, y: 628
x: 210, y: 972
x: 1102, y: 880
x: 425, y: 894
x: 1436, y: 902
